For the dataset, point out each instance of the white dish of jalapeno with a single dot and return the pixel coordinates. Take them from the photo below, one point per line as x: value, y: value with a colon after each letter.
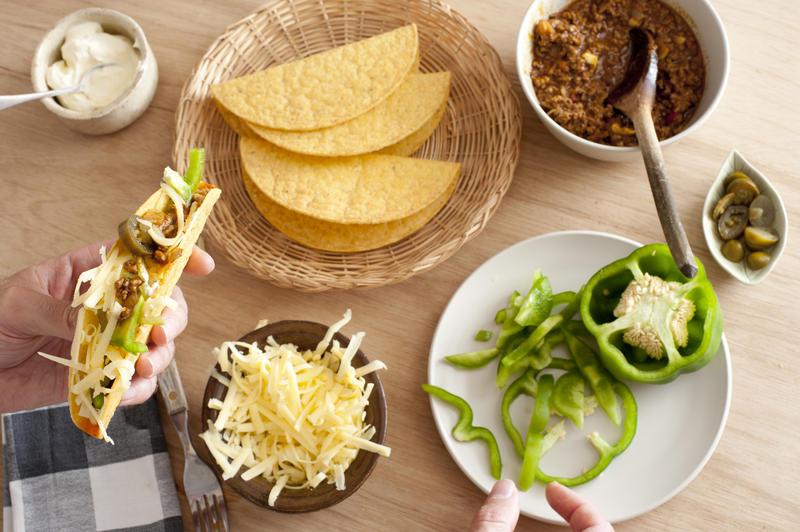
x: 677, y: 424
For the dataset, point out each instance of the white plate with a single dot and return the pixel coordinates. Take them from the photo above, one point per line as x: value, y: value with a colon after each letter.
x: 679, y: 423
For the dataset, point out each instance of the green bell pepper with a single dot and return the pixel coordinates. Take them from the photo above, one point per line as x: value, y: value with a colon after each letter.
x: 651, y: 323
x: 525, y: 384
x: 534, y: 443
x: 568, y: 398
x: 473, y: 359
x: 600, y: 381
x: 538, y: 302
x: 537, y: 358
x: 606, y: 453
x: 483, y: 335
x: 465, y: 431
x: 124, y: 334
x: 186, y: 185
x: 509, y: 327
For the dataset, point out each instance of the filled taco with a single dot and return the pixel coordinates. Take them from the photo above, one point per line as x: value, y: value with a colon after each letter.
x: 129, y: 290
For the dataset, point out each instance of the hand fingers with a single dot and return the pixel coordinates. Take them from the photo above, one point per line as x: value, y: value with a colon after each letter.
x: 30, y: 313
x: 174, y: 321
x: 155, y: 361
x: 579, y: 513
x: 140, y: 391
x: 199, y: 263
x: 500, y: 511
x: 148, y: 366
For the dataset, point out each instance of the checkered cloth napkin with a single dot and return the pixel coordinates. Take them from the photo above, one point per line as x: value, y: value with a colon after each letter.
x: 58, y: 478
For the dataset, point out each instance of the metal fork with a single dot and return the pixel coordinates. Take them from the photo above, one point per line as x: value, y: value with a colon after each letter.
x: 201, y: 486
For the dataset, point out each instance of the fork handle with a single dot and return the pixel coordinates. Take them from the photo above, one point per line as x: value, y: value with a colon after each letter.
x: 171, y: 389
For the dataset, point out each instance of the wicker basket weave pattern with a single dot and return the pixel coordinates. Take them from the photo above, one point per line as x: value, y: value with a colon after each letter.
x: 481, y: 129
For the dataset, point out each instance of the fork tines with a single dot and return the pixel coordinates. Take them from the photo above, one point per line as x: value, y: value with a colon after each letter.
x: 209, y: 512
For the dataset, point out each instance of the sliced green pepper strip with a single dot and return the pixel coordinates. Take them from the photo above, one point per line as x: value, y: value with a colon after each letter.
x: 509, y: 327
x: 465, y: 431
x: 186, y: 185
x: 97, y: 400
x: 600, y: 381
x: 473, y: 359
x: 562, y: 363
x: 525, y: 384
x: 505, y: 372
x: 532, y: 341
x: 537, y: 359
x: 483, y: 335
x: 125, y: 332
x: 538, y: 302
x: 563, y: 298
x: 534, y: 443
x: 197, y: 158
x: 576, y: 327
x: 568, y: 398
x: 572, y: 306
x: 606, y: 453
x: 500, y: 317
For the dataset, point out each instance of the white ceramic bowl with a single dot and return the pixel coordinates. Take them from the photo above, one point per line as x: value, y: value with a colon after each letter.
x: 739, y: 270
x: 125, y: 109
x: 713, y: 42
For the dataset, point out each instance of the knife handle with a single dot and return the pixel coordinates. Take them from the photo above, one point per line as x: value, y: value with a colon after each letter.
x: 171, y: 389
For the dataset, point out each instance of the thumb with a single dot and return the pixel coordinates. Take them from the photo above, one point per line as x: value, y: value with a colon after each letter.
x: 579, y: 513
x: 500, y: 511
x: 31, y: 313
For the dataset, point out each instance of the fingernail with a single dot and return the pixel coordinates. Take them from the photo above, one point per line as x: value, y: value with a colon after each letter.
x: 502, y: 489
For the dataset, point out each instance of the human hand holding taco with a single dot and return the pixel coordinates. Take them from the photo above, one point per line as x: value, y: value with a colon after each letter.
x: 36, y: 315
x: 123, y: 297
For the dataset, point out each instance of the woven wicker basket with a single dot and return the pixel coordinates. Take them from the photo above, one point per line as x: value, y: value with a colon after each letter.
x: 481, y: 129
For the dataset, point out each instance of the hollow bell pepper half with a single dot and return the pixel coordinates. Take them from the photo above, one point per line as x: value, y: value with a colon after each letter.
x: 651, y: 322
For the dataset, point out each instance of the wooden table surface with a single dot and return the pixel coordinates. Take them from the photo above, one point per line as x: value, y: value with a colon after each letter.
x: 62, y: 190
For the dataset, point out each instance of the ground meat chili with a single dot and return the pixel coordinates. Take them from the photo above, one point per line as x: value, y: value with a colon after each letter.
x: 581, y: 53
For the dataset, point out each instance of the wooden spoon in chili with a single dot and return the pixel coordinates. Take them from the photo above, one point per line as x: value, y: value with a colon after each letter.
x: 634, y: 96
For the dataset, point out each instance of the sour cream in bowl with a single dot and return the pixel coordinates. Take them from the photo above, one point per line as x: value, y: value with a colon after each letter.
x: 86, y: 45
x: 114, y: 96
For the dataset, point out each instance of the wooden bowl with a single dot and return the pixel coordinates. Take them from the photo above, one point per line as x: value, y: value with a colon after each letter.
x: 305, y: 335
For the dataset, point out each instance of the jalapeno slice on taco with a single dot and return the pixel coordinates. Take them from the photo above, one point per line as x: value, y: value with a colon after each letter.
x: 129, y: 290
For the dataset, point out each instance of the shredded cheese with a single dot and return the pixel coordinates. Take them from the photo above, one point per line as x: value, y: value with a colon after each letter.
x: 295, y: 418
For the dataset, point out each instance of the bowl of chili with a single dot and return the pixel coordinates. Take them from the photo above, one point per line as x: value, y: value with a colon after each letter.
x: 571, y: 53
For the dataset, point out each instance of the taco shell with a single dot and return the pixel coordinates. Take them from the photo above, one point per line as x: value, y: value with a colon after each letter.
x: 167, y: 276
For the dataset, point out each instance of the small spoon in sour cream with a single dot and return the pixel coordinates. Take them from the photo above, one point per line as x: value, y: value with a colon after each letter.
x: 16, y: 99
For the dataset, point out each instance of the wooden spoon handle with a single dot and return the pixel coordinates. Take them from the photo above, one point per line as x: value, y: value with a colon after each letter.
x: 662, y: 193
